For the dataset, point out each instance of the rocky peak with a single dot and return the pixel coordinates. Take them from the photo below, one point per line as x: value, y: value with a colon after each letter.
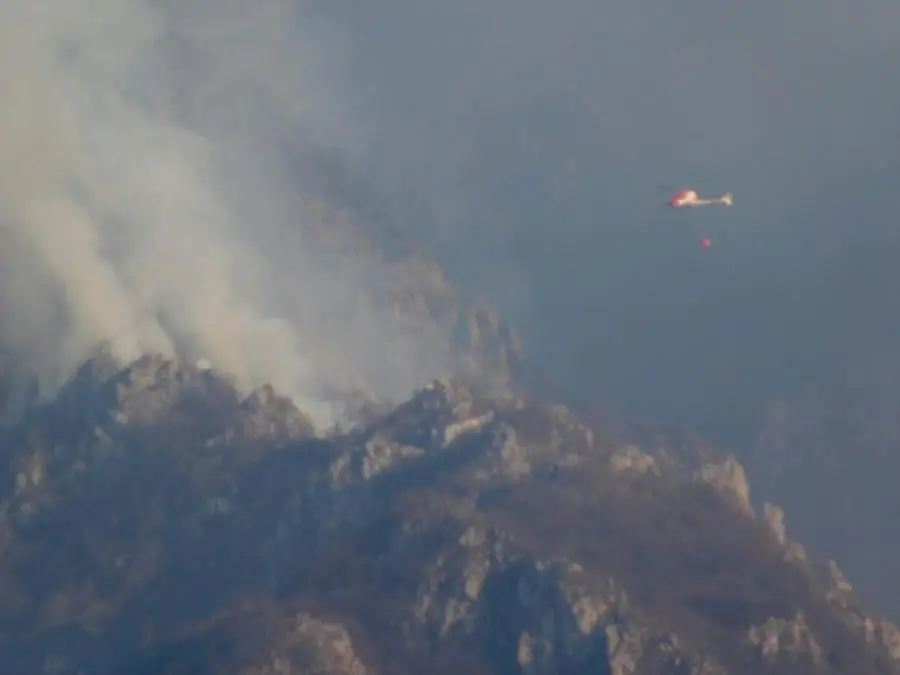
x: 775, y: 519
x: 840, y: 590
x: 265, y: 414
x: 729, y: 478
x: 145, y: 392
x: 787, y: 638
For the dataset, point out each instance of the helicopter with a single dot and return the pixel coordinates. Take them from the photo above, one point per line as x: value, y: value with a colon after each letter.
x: 689, y: 198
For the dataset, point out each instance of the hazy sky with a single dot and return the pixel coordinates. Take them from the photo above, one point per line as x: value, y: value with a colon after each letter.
x: 525, y: 141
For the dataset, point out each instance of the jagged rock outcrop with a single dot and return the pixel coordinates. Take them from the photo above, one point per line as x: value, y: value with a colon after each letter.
x: 777, y: 638
x: 415, y: 286
x: 828, y: 455
x: 154, y: 521
x: 729, y: 478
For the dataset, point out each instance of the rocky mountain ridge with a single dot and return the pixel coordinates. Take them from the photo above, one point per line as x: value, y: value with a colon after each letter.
x: 155, y: 521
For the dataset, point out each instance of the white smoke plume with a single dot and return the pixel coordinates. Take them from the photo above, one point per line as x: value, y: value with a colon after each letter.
x: 147, y: 200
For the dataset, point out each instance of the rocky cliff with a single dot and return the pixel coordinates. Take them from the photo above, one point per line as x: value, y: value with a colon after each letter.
x: 156, y: 522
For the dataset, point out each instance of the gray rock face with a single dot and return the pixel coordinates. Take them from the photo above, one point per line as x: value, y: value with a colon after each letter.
x: 153, y: 521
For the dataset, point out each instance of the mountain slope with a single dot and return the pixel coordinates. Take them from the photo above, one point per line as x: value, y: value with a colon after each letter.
x: 155, y: 522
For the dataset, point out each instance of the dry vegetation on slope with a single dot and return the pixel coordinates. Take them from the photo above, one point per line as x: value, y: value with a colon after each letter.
x: 155, y: 523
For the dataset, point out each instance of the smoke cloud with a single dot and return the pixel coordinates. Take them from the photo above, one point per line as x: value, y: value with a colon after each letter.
x: 148, y: 200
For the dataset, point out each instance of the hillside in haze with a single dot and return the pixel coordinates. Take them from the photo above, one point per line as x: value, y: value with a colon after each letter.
x: 156, y: 522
